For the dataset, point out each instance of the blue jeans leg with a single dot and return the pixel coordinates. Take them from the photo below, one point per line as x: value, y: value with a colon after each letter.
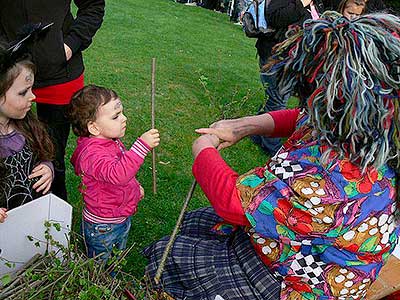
x: 102, y: 238
x: 274, y: 101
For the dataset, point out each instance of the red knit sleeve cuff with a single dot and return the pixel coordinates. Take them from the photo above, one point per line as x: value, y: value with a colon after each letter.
x: 218, y: 181
x: 285, y: 122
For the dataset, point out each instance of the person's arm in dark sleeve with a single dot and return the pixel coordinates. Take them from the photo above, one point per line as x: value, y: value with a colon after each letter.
x: 281, y: 14
x: 88, y: 20
x: 2, y: 33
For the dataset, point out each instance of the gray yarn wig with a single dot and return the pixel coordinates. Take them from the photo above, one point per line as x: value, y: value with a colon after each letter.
x: 351, y: 69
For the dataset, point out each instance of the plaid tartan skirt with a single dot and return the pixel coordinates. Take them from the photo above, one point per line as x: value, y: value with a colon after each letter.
x: 203, y: 264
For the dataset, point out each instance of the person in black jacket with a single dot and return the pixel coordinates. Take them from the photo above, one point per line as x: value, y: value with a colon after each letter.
x: 280, y: 14
x: 58, y: 59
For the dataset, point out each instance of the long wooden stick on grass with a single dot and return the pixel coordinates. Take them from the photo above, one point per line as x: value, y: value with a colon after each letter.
x: 160, y: 268
x: 153, y: 94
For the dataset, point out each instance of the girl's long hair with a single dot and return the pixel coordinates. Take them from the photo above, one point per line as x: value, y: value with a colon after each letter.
x: 30, y: 127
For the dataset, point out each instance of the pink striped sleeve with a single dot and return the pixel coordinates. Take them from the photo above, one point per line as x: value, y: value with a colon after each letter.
x: 141, y: 148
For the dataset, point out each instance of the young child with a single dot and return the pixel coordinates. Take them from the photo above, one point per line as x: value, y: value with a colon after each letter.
x: 352, y: 8
x: 26, y: 172
x: 110, y: 190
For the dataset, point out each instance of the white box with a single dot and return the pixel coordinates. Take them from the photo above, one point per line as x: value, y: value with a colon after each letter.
x: 28, y: 220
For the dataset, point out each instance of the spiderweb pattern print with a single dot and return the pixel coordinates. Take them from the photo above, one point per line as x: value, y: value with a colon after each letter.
x: 16, y: 188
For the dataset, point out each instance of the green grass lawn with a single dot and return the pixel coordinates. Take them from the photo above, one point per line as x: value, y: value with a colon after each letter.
x: 206, y: 70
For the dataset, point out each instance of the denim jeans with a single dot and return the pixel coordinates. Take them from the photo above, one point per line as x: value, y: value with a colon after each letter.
x: 103, y: 238
x: 273, y: 101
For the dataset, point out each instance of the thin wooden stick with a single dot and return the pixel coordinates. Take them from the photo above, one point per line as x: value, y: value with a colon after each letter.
x: 153, y: 94
x: 160, y: 268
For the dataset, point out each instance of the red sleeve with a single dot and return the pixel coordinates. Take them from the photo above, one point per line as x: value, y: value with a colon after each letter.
x: 285, y: 122
x: 218, y: 181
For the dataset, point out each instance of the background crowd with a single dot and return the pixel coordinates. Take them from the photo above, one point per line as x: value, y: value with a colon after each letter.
x: 234, y: 8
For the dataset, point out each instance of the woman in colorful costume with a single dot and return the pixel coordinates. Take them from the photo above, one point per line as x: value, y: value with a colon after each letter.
x: 318, y: 220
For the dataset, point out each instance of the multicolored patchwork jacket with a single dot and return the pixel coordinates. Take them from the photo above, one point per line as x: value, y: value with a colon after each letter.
x: 325, y: 229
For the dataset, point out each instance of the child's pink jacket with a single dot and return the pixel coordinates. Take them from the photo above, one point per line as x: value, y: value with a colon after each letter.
x: 109, y: 187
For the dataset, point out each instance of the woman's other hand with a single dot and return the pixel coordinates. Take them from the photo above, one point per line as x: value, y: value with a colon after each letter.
x: 226, y: 135
x: 205, y: 141
x: 232, y: 131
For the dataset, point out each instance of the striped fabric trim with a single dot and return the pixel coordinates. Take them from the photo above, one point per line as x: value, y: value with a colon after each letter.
x: 141, y: 148
x: 92, y: 218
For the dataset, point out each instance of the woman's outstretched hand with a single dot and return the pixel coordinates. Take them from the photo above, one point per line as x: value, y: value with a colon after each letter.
x: 225, y: 136
x: 232, y: 131
x: 225, y: 133
x: 228, y: 132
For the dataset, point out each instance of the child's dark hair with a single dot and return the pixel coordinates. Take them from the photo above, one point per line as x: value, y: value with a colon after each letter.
x: 84, y: 106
